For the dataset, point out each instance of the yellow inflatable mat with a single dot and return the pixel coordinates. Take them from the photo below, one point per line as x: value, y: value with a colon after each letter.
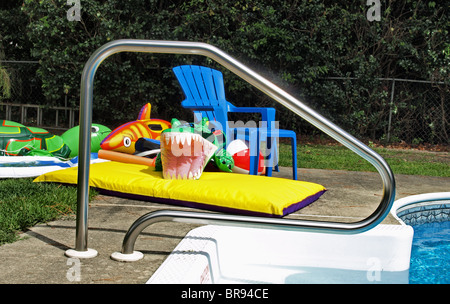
x: 217, y: 191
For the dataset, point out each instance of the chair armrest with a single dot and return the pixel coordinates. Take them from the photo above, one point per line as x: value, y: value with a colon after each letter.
x: 199, y: 107
x: 268, y: 114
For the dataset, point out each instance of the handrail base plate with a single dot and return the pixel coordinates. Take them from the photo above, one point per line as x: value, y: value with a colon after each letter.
x: 123, y: 257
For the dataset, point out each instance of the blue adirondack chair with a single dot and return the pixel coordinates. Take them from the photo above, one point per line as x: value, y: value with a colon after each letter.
x: 204, y: 90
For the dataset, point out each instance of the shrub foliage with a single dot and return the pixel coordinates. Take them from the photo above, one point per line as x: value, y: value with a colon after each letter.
x: 297, y: 44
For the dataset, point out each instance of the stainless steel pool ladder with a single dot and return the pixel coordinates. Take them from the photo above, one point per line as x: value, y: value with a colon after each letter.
x: 267, y: 87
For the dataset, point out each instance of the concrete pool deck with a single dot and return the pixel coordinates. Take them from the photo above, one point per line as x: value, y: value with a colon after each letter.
x: 38, y: 258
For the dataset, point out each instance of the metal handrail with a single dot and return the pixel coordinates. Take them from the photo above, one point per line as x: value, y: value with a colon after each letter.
x: 267, y: 87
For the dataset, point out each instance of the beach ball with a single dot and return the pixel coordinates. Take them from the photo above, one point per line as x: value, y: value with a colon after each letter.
x: 241, y: 156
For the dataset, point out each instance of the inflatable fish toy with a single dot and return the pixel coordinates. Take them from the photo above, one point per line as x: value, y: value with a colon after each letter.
x: 124, y: 137
x: 186, y: 149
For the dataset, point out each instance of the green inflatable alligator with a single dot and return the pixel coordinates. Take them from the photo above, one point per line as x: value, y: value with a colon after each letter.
x: 186, y: 148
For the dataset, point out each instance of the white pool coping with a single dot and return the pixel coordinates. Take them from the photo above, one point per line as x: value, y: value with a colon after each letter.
x: 220, y: 254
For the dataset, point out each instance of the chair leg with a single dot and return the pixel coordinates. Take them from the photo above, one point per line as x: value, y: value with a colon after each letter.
x: 294, y: 157
x: 276, y: 157
x: 271, y: 141
x: 273, y: 154
x: 254, y: 152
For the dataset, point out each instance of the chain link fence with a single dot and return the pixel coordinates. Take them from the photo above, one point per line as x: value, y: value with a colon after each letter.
x: 27, y: 103
x: 25, y: 84
x: 419, y: 112
x: 412, y: 111
x: 403, y: 110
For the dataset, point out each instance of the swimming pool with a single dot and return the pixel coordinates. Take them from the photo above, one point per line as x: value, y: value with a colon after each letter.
x: 429, y: 215
x: 430, y: 254
x: 221, y: 254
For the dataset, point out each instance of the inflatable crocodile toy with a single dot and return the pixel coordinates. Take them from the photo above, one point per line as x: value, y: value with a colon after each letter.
x: 186, y: 149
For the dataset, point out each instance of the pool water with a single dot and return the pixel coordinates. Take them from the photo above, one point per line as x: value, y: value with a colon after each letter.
x: 430, y: 254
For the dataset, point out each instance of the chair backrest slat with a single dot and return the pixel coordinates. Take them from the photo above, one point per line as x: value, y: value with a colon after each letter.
x: 203, y: 86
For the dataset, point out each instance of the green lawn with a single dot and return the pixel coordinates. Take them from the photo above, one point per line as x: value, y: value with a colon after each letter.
x: 335, y: 157
x: 24, y: 203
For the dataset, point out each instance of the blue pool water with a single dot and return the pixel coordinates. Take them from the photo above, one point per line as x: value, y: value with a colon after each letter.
x: 430, y: 255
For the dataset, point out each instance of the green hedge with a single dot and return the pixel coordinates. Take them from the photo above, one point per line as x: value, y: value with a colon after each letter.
x: 295, y: 43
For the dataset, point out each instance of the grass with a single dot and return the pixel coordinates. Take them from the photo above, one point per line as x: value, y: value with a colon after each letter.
x: 24, y: 204
x: 336, y: 157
